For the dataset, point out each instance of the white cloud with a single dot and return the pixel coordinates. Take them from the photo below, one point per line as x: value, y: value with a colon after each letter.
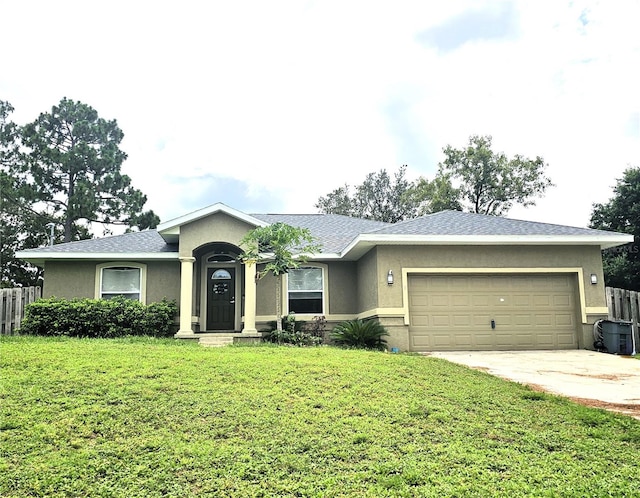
x: 285, y: 101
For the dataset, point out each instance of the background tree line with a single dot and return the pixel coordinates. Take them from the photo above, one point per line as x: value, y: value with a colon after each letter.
x: 477, y: 179
x: 63, y: 168
x: 474, y: 178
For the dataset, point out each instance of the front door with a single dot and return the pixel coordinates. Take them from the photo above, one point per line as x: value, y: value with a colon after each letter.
x: 221, y: 302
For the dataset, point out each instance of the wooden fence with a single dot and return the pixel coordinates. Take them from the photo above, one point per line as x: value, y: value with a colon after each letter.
x: 12, y: 304
x: 625, y: 305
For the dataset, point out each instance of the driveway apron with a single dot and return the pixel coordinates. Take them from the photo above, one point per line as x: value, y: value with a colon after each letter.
x: 588, y: 377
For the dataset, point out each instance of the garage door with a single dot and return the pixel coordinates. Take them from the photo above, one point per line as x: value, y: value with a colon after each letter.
x: 492, y: 312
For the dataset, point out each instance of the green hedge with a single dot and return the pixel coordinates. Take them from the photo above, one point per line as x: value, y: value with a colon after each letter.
x: 99, y: 318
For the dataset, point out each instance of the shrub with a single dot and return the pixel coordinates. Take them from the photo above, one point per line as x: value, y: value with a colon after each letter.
x: 366, y: 334
x: 98, y: 318
x: 294, y: 333
x: 316, y: 327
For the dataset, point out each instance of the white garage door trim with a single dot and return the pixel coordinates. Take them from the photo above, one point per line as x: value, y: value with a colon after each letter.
x: 426, y: 271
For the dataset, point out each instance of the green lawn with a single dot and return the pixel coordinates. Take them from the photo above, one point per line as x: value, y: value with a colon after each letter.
x: 144, y: 417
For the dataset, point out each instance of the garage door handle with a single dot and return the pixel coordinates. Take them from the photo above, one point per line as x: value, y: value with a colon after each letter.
x: 493, y: 324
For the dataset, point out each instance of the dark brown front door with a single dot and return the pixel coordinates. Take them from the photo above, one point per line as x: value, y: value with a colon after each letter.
x: 221, y: 307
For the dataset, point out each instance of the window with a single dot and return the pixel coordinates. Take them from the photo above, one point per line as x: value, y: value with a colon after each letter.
x: 125, y: 281
x: 306, y: 289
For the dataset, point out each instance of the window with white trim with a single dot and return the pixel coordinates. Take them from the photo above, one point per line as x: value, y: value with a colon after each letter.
x: 125, y: 281
x: 306, y: 290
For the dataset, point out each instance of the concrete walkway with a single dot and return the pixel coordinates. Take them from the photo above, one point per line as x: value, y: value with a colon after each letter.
x: 592, y: 378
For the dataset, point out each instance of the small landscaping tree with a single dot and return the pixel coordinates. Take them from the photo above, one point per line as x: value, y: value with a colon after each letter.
x: 281, y: 247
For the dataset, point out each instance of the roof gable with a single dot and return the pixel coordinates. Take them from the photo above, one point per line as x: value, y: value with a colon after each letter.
x: 170, y: 230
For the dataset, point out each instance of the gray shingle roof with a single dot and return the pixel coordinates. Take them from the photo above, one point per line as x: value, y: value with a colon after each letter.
x: 334, y: 231
x: 147, y: 241
x: 458, y: 223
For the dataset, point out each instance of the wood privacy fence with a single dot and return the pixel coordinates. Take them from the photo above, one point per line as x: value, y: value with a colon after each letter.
x: 625, y: 305
x: 12, y: 304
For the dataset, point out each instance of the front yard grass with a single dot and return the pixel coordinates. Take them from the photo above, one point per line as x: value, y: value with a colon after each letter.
x: 147, y: 417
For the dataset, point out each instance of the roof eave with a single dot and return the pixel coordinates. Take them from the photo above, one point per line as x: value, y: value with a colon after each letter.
x: 39, y: 257
x: 364, y: 242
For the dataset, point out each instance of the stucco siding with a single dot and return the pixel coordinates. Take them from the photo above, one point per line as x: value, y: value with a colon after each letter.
x: 368, y: 281
x: 218, y: 227
x: 69, y: 279
x: 163, y: 281
x: 77, y: 279
x: 266, y: 295
x: 342, y: 284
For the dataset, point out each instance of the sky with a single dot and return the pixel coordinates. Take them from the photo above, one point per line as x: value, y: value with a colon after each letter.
x: 266, y: 106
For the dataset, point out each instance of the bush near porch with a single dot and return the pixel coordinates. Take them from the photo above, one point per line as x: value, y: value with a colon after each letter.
x: 157, y: 417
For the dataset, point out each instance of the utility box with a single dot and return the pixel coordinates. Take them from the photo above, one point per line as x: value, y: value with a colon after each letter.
x: 617, y: 337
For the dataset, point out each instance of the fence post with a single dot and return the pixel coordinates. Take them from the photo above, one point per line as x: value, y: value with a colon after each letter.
x: 610, y: 301
x: 9, y: 319
x: 19, y: 307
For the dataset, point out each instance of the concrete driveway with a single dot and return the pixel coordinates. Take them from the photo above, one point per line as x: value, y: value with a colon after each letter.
x: 588, y: 377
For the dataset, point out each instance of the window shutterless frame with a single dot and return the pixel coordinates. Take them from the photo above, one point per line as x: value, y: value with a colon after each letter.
x: 306, y: 290
x: 121, y: 278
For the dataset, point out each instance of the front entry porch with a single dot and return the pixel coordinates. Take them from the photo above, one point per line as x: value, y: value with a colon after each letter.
x: 217, y: 294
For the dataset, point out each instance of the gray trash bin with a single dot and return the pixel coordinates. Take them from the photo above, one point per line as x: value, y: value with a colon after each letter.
x: 616, y: 337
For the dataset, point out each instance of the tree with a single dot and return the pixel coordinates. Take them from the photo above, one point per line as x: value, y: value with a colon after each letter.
x: 57, y: 170
x: 436, y: 195
x: 379, y: 197
x: 74, y: 164
x: 274, y: 245
x: 21, y: 226
x: 621, y: 214
x: 490, y: 183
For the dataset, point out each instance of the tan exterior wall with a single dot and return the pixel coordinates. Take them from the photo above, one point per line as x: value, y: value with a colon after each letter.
x: 342, y: 288
x: 368, y: 281
x: 69, y: 279
x: 77, y: 279
x: 266, y: 295
x: 218, y: 227
x: 163, y: 281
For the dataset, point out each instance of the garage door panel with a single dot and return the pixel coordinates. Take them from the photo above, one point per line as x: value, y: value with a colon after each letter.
x: 524, y: 341
x: 561, y: 301
x: 461, y: 321
x: 564, y: 320
x: 461, y: 300
x: 546, y: 341
x: 519, y: 320
x: 565, y: 341
x: 541, y: 301
x: 480, y: 301
x: 542, y: 320
x: 440, y: 320
x: 440, y: 300
x: 463, y: 341
x: 484, y: 341
x: 449, y: 312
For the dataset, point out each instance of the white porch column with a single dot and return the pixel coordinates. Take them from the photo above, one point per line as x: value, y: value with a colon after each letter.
x: 186, y: 296
x: 249, y: 298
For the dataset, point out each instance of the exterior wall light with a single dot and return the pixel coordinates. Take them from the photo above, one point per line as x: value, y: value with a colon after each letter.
x: 594, y: 279
x: 390, y: 278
